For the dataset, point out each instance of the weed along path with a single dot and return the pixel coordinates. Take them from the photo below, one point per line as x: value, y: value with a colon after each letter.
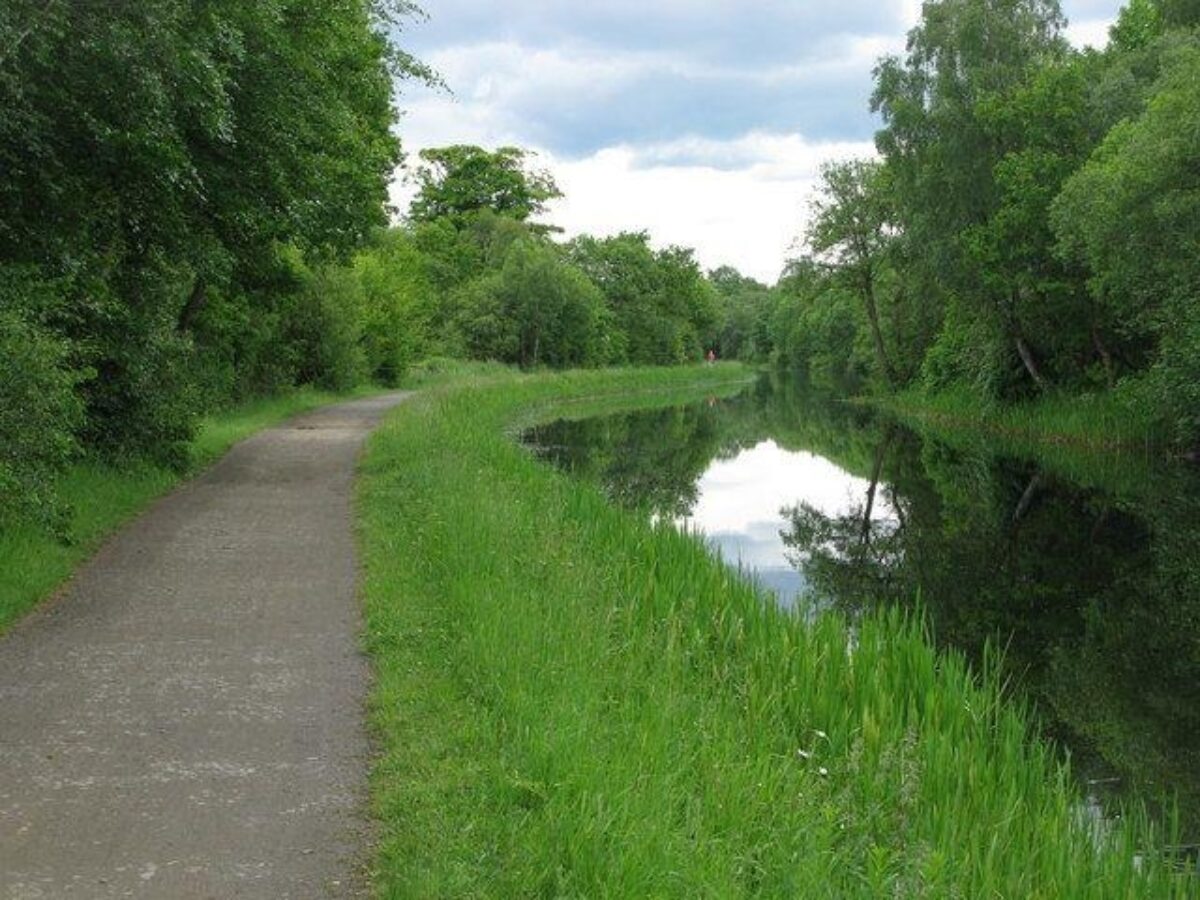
x: 187, y: 720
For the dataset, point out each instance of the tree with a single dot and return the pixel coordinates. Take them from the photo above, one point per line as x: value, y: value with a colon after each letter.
x: 535, y: 310
x: 663, y: 308
x: 1132, y: 215
x: 1049, y: 124
x: 743, y: 310
x: 460, y: 180
x: 1180, y: 13
x: 1138, y: 23
x: 851, y: 228
x: 399, y: 304
x: 939, y: 148
x: 180, y: 147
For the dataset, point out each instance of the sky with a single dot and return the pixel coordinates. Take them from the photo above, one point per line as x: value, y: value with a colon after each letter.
x: 702, y: 122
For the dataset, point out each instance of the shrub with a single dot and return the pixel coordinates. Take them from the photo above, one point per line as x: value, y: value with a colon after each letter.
x: 39, y: 412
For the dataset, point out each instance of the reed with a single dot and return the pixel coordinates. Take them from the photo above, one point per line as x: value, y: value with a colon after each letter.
x: 1119, y: 421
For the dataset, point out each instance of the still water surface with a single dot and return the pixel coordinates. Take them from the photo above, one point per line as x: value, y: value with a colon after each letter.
x: 1087, y: 569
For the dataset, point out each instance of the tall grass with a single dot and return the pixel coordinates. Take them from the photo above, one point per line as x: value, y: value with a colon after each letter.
x: 572, y: 702
x: 33, y: 562
x: 1119, y: 421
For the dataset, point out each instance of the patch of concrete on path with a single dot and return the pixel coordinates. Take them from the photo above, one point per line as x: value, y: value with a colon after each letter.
x: 187, y: 721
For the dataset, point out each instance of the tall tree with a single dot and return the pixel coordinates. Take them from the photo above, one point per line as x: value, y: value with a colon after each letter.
x: 939, y: 148
x: 1132, y: 215
x: 154, y: 156
x: 851, y: 229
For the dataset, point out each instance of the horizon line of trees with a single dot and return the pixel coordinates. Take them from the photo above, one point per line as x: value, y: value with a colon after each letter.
x: 193, y: 212
x: 1031, y: 224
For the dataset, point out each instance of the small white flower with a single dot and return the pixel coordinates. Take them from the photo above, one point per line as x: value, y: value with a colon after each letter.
x: 823, y: 772
x: 804, y: 754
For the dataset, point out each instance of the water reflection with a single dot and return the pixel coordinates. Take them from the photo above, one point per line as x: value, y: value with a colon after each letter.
x: 739, y: 503
x: 1084, y: 569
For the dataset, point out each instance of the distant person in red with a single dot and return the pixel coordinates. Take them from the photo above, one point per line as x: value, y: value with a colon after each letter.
x: 712, y: 356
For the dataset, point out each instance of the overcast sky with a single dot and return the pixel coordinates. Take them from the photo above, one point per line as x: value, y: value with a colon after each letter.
x: 702, y: 122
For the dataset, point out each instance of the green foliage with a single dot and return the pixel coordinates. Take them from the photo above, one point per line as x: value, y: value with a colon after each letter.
x: 536, y: 310
x: 743, y: 315
x: 851, y: 230
x: 1031, y: 226
x: 176, y: 170
x: 399, y: 304
x: 1132, y: 215
x: 462, y: 179
x: 942, y: 147
x: 662, y: 306
x: 967, y: 354
x: 1180, y: 13
x: 1138, y: 23
x: 39, y: 412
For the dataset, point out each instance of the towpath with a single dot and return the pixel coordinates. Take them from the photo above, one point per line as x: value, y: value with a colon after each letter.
x: 186, y: 721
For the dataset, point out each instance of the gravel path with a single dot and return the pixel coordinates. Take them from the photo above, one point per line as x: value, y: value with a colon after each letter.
x: 187, y: 719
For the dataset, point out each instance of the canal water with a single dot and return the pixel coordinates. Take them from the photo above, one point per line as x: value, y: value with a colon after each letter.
x: 1084, y: 568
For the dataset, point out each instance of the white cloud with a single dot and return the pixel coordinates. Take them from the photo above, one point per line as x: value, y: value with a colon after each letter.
x: 743, y: 207
x: 740, y: 501
x: 1089, y: 32
x: 745, y: 215
x: 701, y: 123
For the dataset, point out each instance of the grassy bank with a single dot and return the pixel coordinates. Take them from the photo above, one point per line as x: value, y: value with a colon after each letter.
x: 1112, y: 421
x: 571, y: 702
x: 33, y: 563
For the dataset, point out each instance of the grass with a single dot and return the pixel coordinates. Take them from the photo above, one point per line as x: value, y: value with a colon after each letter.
x: 571, y: 702
x: 1106, y: 441
x: 1111, y: 421
x: 33, y: 563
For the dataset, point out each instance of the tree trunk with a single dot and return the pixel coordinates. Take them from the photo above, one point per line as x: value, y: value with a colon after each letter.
x: 1018, y: 338
x: 195, y: 304
x: 901, y: 519
x: 876, y: 474
x: 1105, y: 356
x: 1026, y: 500
x: 876, y: 334
x: 1030, y: 362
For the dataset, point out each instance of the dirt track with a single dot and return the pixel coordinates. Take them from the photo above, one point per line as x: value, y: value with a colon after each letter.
x: 186, y: 721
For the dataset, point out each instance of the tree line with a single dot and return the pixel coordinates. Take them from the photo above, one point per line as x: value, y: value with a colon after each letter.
x: 1032, y: 221
x: 176, y: 180
x: 193, y: 212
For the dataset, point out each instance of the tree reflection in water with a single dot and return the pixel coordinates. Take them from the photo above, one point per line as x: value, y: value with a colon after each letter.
x: 1084, y: 571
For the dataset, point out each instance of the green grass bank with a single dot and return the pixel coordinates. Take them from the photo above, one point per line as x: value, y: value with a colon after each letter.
x: 1115, y: 422
x: 571, y: 702
x: 33, y: 563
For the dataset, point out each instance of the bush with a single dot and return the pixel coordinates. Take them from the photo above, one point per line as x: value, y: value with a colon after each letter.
x: 142, y: 400
x: 536, y: 310
x: 39, y: 412
x: 399, y: 304
x: 328, y: 328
